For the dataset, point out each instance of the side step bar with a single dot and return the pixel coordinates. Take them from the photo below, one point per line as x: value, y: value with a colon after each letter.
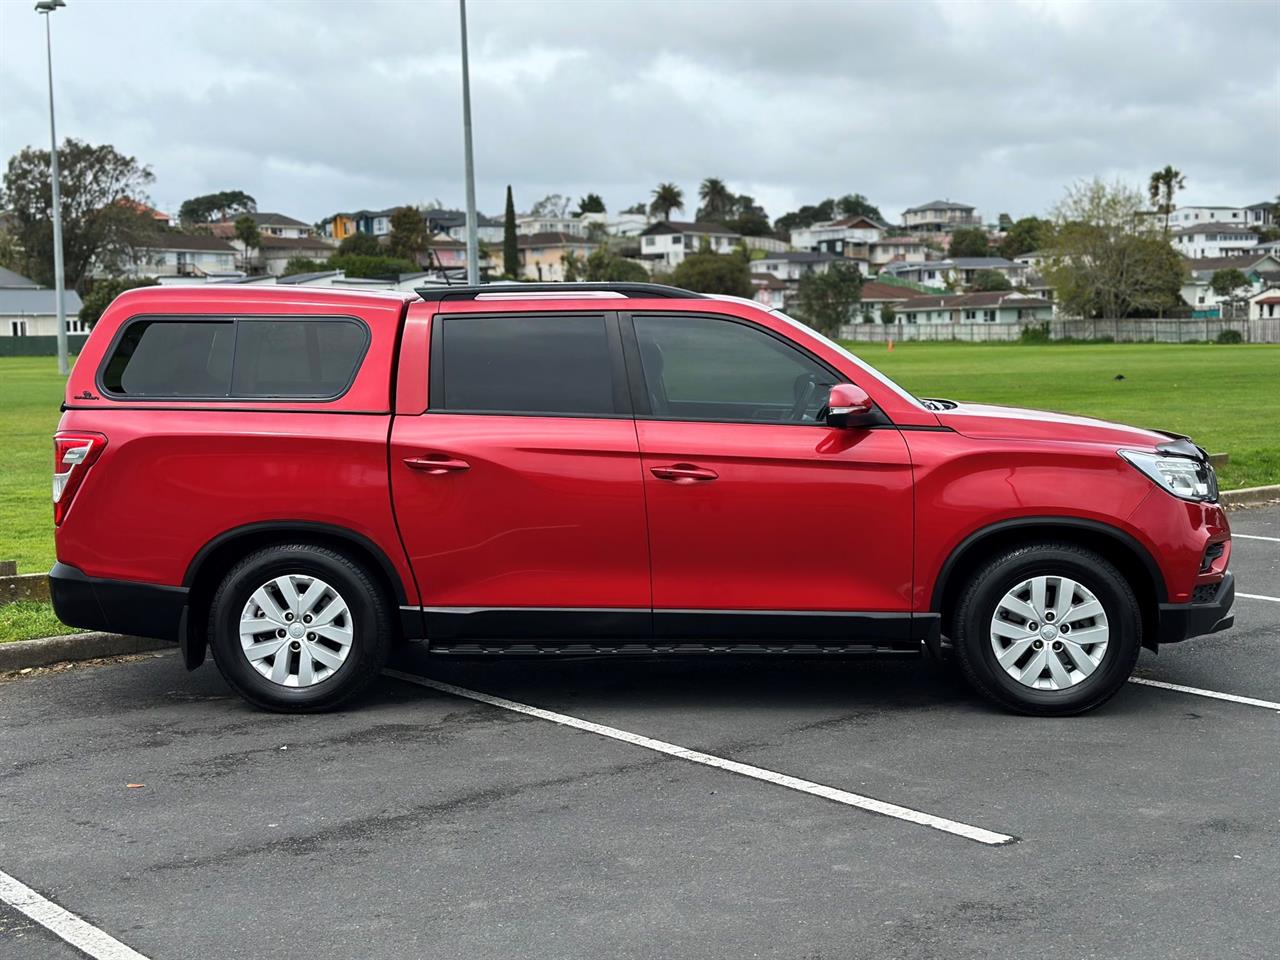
x: 578, y: 648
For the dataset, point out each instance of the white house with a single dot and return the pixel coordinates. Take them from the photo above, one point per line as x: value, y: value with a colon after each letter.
x: 274, y: 253
x: 770, y: 291
x: 1213, y: 240
x: 177, y: 254
x: 529, y: 225
x: 670, y: 241
x: 1265, y: 304
x: 30, y: 310
x: 876, y: 296
x: 996, y: 307
x: 957, y: 271
x: 1256, y: 215
x: 269, y: 225
x: 1197, y: 292
x: 831, y: 236
x: 940, y: 216
x: 618, y: 224
x: 902, y: 249
x: 794, y: 264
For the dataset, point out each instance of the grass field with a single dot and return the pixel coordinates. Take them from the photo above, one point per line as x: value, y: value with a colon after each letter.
x: 1226, y: 397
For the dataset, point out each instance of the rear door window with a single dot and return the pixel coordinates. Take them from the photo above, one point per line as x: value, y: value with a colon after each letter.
x: 530, y: 364
x: 230, y: 358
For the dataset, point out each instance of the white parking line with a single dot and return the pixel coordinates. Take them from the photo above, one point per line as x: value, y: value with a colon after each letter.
x: 1212, y: 694
x: 1253, y: 536
x: 965, y: 830
x: 64, y: 923
x: 1258, y: 596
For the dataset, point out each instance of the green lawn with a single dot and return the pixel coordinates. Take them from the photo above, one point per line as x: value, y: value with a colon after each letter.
x: 1226, y: 397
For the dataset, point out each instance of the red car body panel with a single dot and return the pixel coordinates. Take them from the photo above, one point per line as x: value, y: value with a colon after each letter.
x: 630, y: 513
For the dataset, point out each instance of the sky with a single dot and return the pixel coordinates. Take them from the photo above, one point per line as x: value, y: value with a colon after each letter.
x: 318, y: 106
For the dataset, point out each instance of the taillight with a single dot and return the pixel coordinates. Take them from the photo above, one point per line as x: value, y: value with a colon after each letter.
x: 73, y: 454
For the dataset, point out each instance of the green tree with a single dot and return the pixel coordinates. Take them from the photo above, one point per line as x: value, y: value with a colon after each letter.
x: 359, y: 265
x: 304, y: 265
x: 1161, y: 188
x: 856, y: 205
x: 1226, y: 282
x: 706, y: 272
x: 1108, y: 258
x: 1025, y: 235
x: 666, y: 198
x: 105, y: 289
x: 215, y: 206
x: 602, y: 265
x: 969, y: 242
x: 409, y: 238
x: 510, y: 246
x: 552, y: 205
x: 638, y: 207
x: 104, y: 212
x: 749, y: 218
x: 591, y: 203
x: 989, y: 280
x: 247, y: 234
x: 887, y: 313
x: 717, y: 201
x: 361, y: 245
x: 850, y: 205
x: 826, y: 301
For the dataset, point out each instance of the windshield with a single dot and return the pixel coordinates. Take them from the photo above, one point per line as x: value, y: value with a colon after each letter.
x: 866, y: 367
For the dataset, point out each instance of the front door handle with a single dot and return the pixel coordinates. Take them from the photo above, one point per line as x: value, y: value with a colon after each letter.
x: 684, y: 473
x: 436, y: 464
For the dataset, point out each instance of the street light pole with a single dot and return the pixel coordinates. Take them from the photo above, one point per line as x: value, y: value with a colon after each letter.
x: 473, y: 247
x: 47, y: 7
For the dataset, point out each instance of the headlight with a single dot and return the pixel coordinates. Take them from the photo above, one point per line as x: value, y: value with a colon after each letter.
x: 1184, y: 477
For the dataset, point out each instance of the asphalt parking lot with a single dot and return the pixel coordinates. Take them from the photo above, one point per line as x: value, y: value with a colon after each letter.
x: 425, y: 824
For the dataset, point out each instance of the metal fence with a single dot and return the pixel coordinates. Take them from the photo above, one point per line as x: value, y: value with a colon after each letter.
x: 40, y: 346
x: 1265, y: 330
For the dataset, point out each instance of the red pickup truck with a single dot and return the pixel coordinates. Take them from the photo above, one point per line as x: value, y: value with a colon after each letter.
x: 299, y: 479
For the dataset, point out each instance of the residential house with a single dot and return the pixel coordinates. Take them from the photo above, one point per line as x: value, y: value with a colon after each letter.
x: 488, y: 229
x: 269, y: 225
x: 1002, y: 306
x: 831, y: 236
x: 888, y: 250
x: 29, y: 310
x: 940, y: 216
x: 1265, y: 304
x: 791, y: 265
x: 1256, y: 215
x: 1261, y: 272
x: 669, y: 241
x: 618, y: 224
x: 274, y: 253
x: 956, y: 271
x: 451, y: 255
x: 770, y: 291
x: 529, y: 225
x: 1213, y: 240
x: 876, y: 296
x: 177, y: 254
x: 542, y: 254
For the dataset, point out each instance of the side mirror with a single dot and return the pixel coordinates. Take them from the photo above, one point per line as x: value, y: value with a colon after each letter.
x: 849, y: 406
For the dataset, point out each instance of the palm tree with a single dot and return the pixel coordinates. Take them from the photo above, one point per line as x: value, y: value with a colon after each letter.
x: 716, y: 200
x: 1161, y: 188
x: 666, y: 197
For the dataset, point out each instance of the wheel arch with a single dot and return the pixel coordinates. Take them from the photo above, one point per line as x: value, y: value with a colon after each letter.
x: 1124, y: 550
x: 215, y: 558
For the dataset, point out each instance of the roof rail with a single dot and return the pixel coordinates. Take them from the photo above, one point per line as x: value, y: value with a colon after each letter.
x: 513, y: 290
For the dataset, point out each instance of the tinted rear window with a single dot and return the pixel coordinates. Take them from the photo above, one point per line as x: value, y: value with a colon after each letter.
x: 531, y: 364
x: 236, y: 358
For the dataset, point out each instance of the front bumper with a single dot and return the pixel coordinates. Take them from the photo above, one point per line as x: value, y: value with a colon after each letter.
x: 116, y: 606
x: 1180, y: 621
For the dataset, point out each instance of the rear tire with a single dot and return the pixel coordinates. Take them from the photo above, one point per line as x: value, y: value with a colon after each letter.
x: 1063, y: 620
x: 299, y: 628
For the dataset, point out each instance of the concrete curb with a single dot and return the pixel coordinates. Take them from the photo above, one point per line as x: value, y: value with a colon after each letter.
x: 1249, y: 496
x: 21, y: 654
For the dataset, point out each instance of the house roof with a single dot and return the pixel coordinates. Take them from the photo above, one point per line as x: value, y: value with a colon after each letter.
x: 1272, y: 299
x: 16, y: 281
x: 267, y: 219
x: 799, y: 256
x: 995, y: 298
x: 39, y: 301
x: 1213, y: 228
x: 767, y: 281
x: 873, y: 291
x: 268, y: 242
x: 1264, y: 205
x: 898, y: 241
x: 854, y: 221
x: 553, y: 240
x: 939, y: 205
x: 981, y: 263
x: 1208, y: 265
x: 177, y: 240
x: 684, y: 226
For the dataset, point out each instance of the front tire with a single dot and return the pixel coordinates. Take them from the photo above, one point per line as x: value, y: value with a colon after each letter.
x: 1047, y: 629
x: 299, y: 628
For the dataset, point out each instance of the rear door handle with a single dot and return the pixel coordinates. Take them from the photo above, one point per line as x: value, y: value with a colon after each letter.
x: 436, y: 464
x: 684, y: 473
